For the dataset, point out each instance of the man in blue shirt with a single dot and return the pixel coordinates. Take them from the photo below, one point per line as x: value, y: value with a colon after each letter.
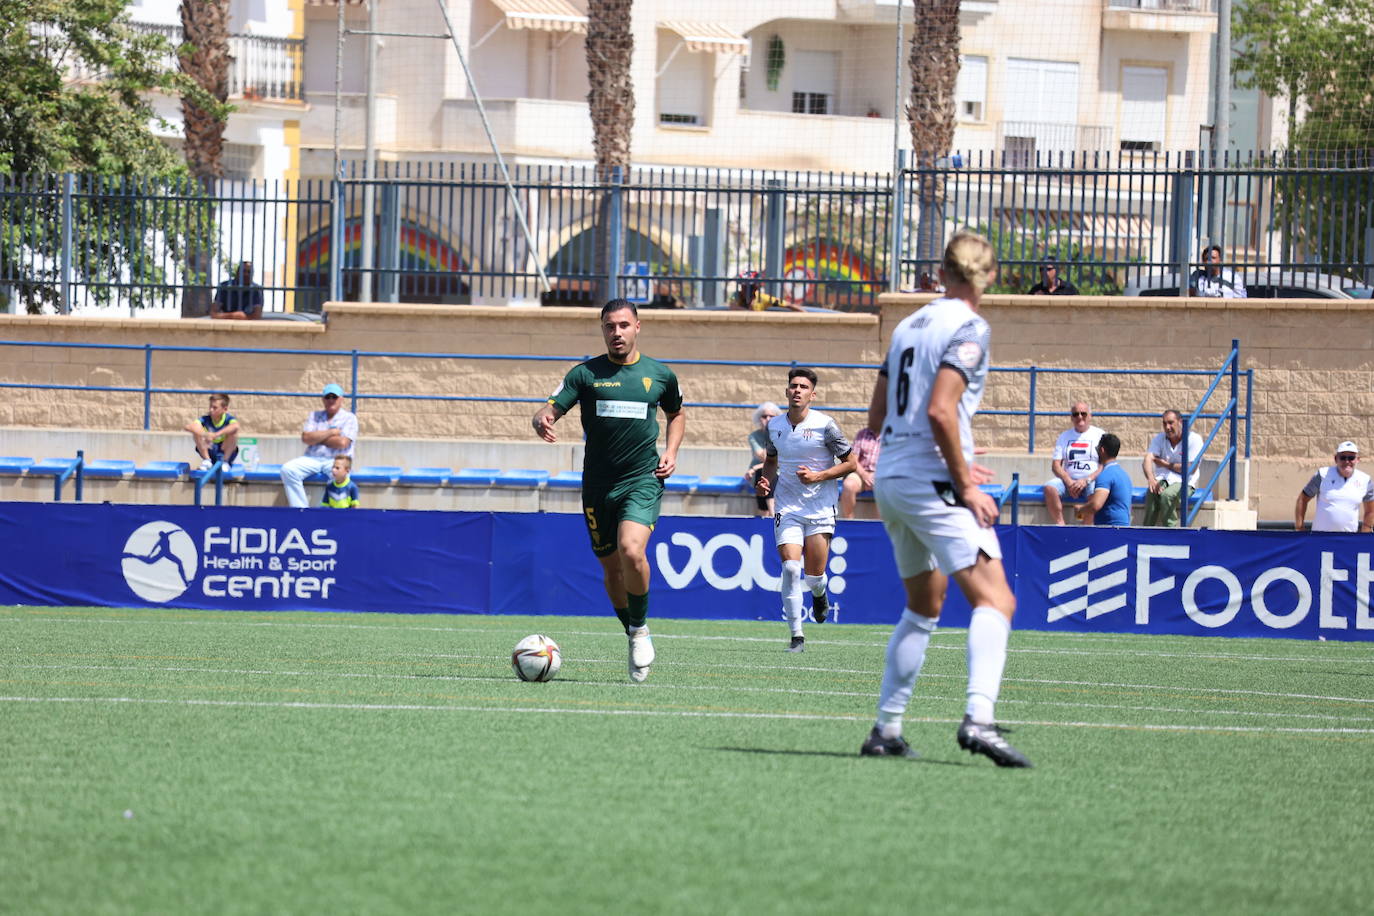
x: 1110, y: 503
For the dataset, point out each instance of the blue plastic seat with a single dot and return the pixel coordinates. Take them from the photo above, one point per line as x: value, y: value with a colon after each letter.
x: 722, y: 484
x: 1138, y: 494
x: 162, y: 470
x: 474, y: 477
x: 15, y: 465
x: 263, y: 473
x: 566, y: 480
x: 1031, y: 492
x: 682, y: 483
x: 52, y: 467
x: 522, y: 477
x: 230, y: 471
x: 995, y: 490
x: 377, y: 474
x: 433, y: 477
x: 108, y: 467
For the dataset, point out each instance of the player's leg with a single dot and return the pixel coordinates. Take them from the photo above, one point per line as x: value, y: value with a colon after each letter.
x: 789, y: 535
x: 816, y: 553
x: 1054, y: 500
x: 293, y: 475
x: 229, y: 448
x: 984, y: 584
x: 906, y: 649
x: 1169, y: 497
x: 637, y: 508
x: 602, y: 531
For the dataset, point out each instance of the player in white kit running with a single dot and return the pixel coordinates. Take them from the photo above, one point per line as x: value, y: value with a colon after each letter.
x: 806, y: 452
x: 939, y: 521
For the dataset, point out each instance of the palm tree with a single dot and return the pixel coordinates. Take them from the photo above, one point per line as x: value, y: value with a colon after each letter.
x: 204, y: 57
x: 930, y: 112
x: 611, y: 101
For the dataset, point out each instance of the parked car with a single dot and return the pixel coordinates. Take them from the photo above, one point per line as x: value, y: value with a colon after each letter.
x: 1265, y: 284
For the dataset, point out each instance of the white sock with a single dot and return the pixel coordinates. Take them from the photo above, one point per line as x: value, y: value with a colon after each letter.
x: 988, y: 631
x: 792, y: 595
x: 816, y: 584
x: 906, y: 653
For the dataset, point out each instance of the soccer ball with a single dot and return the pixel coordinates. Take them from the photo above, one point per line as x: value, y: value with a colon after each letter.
x: 536, y: 658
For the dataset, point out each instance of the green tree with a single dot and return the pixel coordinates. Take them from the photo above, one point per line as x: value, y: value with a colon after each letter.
x: 75, y: 99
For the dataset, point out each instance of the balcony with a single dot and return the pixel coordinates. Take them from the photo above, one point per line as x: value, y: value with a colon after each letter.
x: 1026, y: 143
x: 885, y: 11
x: 1194, y: 16
x: 261, y: 68
x: 531, y: 127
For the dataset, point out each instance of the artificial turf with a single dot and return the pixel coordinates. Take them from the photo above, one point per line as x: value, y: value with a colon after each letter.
x: 194, y: 761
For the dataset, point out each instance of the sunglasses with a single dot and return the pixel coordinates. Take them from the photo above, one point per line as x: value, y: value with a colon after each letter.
x: 1079, y: 413
x: 331, y: 397
x: 1347, y: 457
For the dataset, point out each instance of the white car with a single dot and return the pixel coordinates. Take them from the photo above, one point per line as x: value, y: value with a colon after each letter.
x: 1265, y: 284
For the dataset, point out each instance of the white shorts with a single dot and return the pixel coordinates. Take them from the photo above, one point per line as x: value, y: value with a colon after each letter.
x: 1059, y: 487
x: 795, y: 529
x: 928, y: 533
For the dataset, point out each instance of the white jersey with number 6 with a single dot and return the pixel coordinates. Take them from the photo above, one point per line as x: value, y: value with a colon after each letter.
x: 945, y: 332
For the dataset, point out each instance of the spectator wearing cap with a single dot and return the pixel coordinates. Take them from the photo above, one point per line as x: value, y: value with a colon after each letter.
x: 1344, y: 494
x: 327, y: 434
x: 1050, y: 283
x: 751, y: 297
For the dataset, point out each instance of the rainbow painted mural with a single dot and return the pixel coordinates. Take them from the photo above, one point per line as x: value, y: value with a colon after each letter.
x: 421, y: 250
x: 813, y: 270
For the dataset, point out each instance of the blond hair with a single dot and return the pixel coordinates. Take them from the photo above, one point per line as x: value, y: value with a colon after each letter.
x: 348, y: 462
x: 969, y: 257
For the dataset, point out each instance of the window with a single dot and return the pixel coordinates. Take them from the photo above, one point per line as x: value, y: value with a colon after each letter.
x: 1143, y: 108
x: 240, y: 161
x: 814, y: 82
x: 971, y: 91
x: 685, y: 82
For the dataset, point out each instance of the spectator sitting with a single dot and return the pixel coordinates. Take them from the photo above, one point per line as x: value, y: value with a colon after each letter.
x: 1211, y: 281
x: 751, y: 297
x: 1075, y: 464
x: 1110, y: 503
x: 1050, y: 284
x: 327, y: 434
x: 866, y: 448
x: 238, y: 298
x: 216, y: 434
x: 1164, y: 471
x: 758, y: 452
x: 341, y: 492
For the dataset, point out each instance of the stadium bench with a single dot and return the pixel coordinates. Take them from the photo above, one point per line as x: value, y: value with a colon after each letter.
x: 722, y: 485
x: 474, y: 477
x: 263, y: 473
x: 231, y: 472
x: 113, y: 468
x: 15, y: 465
x: 521, y: 477
x: 377, y: 474
x: 52, y: 467
x: 566, y: 480
x: 433, y: 477
x: 162, y: 470
x: 682, y: 483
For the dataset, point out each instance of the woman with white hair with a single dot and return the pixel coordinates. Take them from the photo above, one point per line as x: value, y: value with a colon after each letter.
x: 758, y: 451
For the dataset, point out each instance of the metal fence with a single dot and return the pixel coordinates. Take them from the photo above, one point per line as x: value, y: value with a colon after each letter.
x: 1133, y: 223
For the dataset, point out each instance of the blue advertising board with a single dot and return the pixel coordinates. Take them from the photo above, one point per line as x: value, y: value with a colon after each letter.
x: 1117, y: 580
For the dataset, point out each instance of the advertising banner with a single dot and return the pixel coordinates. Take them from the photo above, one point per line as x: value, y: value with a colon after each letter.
x: 1099, y: 580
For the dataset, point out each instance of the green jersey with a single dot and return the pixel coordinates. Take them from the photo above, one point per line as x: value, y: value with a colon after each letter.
x: 619, y: 414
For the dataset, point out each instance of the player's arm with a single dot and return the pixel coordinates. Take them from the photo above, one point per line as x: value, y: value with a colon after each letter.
x: 1148, y: 464
x: 231, y: 427
x: 677, y: 428
x: 543, y: 421
x: 1300, y: 512
x: 943, y: 414
x: 846, y: 466
x: 877, y: 403
x: 764, y: 486
x: 1095, y: 502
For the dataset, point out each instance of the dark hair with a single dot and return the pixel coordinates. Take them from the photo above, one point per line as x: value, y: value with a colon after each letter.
x: 1110, y: 445
x: 803, y: 372
x: 1178, y: 416
x: 222, y: 398
x: 1209, y: 249
x: 616, y: 305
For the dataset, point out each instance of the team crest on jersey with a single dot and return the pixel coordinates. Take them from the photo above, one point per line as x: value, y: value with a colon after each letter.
x: 648, y: 383
x: 969, y: 353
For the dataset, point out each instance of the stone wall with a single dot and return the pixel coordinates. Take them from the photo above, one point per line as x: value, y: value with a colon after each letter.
x: 1314, y: 365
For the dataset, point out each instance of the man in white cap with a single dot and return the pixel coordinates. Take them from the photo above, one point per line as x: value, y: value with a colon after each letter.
x: 1345, y: 495
x: 327, y: 434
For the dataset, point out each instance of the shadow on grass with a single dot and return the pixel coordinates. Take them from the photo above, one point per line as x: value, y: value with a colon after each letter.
x: 846, y: 756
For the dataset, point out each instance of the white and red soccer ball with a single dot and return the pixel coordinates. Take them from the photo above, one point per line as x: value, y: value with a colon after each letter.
x: 536, y: 658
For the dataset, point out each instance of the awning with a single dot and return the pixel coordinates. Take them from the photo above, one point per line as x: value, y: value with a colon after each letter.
x: 707, y: 37
x: 544, y: 15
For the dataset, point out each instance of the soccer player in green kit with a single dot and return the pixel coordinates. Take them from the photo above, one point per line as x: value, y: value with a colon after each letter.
x: 622, y: 474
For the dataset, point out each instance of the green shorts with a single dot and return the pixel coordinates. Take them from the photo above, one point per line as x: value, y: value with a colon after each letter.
x: 605, y: 507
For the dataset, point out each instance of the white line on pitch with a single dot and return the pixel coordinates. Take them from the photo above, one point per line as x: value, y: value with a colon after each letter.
x: 692, y: 714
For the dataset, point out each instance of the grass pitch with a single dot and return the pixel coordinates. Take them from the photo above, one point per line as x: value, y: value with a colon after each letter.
x: 190, y: 761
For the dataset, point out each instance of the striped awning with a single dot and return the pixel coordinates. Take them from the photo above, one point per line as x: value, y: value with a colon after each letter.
x: 544, y: 15
x: 707, y: 37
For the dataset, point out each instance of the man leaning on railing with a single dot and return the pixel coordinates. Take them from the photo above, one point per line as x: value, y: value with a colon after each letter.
x: 238, y: 298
